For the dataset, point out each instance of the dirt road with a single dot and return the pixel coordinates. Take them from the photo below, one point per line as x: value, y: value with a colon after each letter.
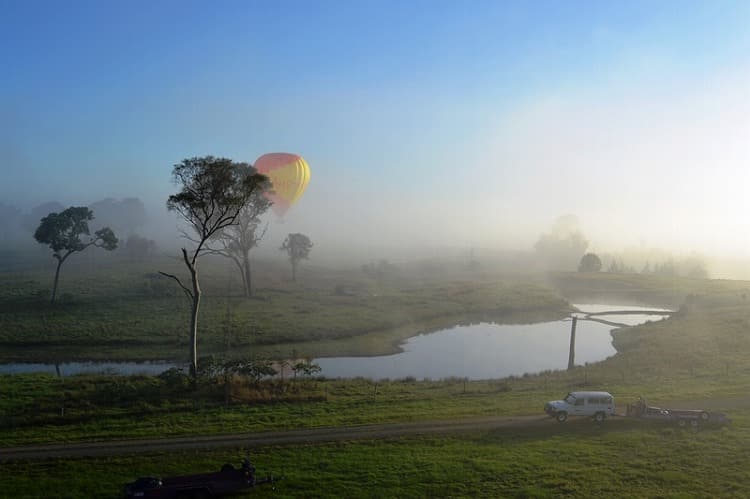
x: 313, y: 435
x: 316, y: 435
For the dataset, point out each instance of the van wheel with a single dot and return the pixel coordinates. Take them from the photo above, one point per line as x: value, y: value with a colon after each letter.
x: 704, y: 416
x: 562, y: 417
x: 599, y: 417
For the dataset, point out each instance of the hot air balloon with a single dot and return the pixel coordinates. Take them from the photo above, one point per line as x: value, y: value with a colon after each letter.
x: 289, y: 174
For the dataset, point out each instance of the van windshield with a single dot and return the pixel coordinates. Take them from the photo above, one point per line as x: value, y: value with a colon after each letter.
x: 570, y: 399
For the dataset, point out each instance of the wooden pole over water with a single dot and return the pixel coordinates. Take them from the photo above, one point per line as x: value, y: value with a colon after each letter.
x: 572, y: 353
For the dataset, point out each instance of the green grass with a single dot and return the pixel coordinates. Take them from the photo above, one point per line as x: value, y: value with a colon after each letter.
x: 578, y: 459
x: 701, y: 352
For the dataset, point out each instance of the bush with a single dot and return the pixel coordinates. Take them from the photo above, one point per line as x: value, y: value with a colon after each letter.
x: 175, y: 379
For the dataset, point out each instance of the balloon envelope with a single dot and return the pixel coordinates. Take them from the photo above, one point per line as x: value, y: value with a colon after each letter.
x: 289, y: 174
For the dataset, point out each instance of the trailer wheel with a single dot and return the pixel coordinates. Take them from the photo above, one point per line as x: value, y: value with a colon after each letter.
x: 561, y: 417
x: 704, y: 416
x: 694, y: 423
x: 681, y: 423
x: 599, y: 417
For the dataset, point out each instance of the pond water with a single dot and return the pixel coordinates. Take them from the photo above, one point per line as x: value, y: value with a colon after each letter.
x: 71, y: 368
x: 478, y: 351
x: 488, y: 351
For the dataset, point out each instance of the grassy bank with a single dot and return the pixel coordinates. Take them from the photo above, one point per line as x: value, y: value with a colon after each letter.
x: 128, y: 312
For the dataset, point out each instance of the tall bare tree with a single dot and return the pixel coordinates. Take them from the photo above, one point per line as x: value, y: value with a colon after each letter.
x: 213, y: 192
x: 236, y: 241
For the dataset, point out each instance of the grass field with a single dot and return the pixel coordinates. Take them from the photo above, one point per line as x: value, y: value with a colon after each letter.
x: 702, y: 352
x: 579, y: 459
x: 128, y: 312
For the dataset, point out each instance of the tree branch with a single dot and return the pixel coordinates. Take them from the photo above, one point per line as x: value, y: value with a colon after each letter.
x: 188, y: 293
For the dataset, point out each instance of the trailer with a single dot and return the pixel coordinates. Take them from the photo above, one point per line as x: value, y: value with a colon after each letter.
x: 681, y: 417
x: 228, y: 480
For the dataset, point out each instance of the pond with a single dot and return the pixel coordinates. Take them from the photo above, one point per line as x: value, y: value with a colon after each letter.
x: 489, y: 351
x: 478, y: 351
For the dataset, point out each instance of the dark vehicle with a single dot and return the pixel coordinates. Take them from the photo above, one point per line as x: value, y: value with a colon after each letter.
x: 228, y: 480
x: 680, y: 417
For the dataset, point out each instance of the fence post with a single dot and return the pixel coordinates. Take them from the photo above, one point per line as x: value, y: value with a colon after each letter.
x: 572, y: 354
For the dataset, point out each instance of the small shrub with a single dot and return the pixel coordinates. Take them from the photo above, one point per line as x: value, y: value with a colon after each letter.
x: 175, y: 379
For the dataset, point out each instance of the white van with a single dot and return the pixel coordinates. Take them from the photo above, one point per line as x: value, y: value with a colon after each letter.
x: 596, y: 404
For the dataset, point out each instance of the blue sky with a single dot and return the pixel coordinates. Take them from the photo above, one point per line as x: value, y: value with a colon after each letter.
x: 426, y: 113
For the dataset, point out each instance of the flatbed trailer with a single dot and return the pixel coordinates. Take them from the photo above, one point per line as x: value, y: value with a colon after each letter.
x: 681, y: 417
x: 227, y: 481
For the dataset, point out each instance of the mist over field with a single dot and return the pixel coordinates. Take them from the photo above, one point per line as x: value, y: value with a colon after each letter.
x: 480, y: 249
x: 430, y: 149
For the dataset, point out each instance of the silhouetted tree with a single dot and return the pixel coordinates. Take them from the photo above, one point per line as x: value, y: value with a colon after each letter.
x: 590, y: 262
x: 236, y: 241
x: 62, y: 232
x: 297, y: 247
x: 213, y: 192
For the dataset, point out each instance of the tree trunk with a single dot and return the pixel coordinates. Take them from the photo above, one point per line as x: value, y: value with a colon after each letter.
x: 245, y: 285
x: 247, y: 276
x: 57, y: 279
x: 193, y: 319
x: 294, y: 271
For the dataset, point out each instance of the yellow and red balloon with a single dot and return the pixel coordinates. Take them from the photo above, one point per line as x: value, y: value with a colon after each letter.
x: 289, y: 174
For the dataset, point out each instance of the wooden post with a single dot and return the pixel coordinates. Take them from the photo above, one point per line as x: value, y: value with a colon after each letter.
x: 572, y: 353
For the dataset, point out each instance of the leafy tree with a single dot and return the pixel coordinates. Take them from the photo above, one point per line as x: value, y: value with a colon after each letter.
x: 297, y: 247
x: 236, y: 240
x: 62, y: 232
x: 213, y: 192
x: 590, y: 262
